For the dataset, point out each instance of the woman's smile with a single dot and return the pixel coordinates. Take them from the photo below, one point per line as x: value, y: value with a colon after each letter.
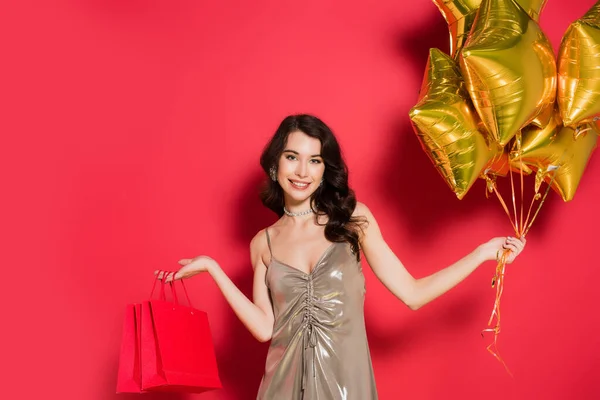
x: 299, y: 185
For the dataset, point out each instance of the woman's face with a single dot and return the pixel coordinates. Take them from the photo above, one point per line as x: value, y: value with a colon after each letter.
x: 300, y: 167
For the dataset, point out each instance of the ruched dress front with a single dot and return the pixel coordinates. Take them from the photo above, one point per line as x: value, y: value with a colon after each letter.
x: 319, y: 348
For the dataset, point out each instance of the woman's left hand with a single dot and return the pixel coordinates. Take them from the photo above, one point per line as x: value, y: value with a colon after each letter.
x: 493, y: 249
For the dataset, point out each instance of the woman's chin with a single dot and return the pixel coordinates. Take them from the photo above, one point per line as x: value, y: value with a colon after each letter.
x: 296, y: 196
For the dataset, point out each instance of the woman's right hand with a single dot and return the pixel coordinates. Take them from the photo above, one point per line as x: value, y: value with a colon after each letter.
x: 190, y: 267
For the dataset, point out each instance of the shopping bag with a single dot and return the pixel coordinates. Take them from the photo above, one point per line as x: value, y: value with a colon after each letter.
x: 129, y: 377
x: 176, y: 352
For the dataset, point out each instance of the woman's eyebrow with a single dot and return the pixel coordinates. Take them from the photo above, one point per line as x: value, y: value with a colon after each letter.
x: 295, y: 152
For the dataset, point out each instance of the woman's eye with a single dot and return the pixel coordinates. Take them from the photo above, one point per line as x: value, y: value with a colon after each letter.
x: 290, y: 157
x: 315, y: 161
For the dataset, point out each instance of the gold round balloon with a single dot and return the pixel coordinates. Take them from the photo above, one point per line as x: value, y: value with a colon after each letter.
x: 509, y: 68
x: 447, y: 127
x: 559, y: 154
x: 579, y: 70
x: 460, y: 14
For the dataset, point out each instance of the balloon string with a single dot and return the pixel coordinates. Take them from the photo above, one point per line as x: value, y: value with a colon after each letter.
x: 512, y: 188
x: 503, y: 203
x: 519, y: 226
x: 529, y: 213
x: 541, y: 203
x: 556, y: 169
x: 497, y: 281
x: 522, y: 184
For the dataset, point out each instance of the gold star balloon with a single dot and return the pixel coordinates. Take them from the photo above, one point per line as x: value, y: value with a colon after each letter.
x: 533, y: 7
x: 596, y: 124
x: 509, y: 68
x: 496, y: 114
x: 559, y: 154
x: 447, y: 126
x: 460, y: 14
x: 579, y: 70
x: 544, y: 117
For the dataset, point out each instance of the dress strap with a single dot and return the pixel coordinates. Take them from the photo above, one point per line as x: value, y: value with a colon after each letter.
x: 269, y: 242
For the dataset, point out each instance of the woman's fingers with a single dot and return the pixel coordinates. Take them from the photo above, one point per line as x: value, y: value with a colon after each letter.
x: 520, y: 243
x: 512, y: 240
x: 166, y: 275
x: 513, y: 248
x: 171, y: 276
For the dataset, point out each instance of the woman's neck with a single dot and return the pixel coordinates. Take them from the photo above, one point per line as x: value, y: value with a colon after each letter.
x: 298, y: 211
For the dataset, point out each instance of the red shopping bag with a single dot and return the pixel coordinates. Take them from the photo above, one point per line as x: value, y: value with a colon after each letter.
x: 129, y: 378
x: 176, y: 352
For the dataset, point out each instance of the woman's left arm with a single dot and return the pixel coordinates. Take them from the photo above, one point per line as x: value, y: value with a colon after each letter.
x: 415, y: 293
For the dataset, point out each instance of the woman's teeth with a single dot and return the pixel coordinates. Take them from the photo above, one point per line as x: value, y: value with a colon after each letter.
x: 299, y: 185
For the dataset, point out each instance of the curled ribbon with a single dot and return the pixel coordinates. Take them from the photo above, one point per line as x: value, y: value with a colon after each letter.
x: 498, y: 282
x: 521, y: 228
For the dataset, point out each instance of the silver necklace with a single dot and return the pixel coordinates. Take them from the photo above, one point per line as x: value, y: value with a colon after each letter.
x: 297, y: 214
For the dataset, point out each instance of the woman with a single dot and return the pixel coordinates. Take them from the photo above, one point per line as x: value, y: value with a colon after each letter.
x: 308, y: 288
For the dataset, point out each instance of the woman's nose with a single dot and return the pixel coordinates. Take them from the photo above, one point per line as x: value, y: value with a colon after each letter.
x: 301, y: 170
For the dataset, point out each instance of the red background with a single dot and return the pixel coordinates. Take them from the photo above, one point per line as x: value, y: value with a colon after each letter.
x: 132, y: 131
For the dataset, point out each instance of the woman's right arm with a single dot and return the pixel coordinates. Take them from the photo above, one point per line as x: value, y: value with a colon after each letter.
x: 257, y: 316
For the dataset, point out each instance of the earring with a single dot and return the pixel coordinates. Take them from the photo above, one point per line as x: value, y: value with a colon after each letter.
x: 321, y: 184
x: 273, y: 173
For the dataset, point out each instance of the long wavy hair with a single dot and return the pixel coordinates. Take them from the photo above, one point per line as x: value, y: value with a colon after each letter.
x: 334, y: 197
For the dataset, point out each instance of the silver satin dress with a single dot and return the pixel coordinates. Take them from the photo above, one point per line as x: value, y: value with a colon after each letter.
x: 319, y: 347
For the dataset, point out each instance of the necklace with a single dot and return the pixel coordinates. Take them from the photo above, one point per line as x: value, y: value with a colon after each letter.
x: 297, y: 214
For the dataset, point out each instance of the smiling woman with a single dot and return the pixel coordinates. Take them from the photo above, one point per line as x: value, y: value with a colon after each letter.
x: 299, y: 170
x: 308, y: 287
x: 308, y: 174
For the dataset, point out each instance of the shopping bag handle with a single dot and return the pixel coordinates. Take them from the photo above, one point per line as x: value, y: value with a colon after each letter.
x: 162, y: 289
x: 171, y: 284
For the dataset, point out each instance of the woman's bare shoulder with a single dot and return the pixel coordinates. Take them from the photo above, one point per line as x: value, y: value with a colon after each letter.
x: 259, y: 246
x: 362, y: 211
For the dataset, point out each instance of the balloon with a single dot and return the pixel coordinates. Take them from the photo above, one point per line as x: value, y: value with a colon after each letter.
x: 460, y: 14
x: 447, y: 127
x: 533, y: 7
x: 596, y: 124
x: 518, y: 166
x: 559, y: 150
x: 579, y: 70
x: 509, y: 68
x: 544, y: 117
